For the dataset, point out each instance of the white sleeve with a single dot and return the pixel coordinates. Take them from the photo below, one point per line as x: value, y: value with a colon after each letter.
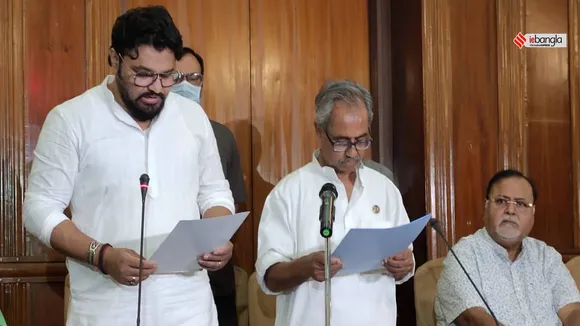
x: 214, y: 189
x: 52, y: 178
x: 275, y: 240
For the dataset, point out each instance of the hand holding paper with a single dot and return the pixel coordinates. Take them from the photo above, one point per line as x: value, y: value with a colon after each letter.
x: 316, y: 261
x: 191, y: 239
x: 364, y: 250
x: 400, y: 264
x: 217, y: 259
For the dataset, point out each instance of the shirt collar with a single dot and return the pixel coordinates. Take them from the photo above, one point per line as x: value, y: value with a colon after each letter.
x: 330, y: 173
x: 498, y: 249
x: 106, y: 94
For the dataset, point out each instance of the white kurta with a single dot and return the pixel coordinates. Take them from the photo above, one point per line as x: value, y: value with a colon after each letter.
x: 91, y: 153
x: 289, y: 229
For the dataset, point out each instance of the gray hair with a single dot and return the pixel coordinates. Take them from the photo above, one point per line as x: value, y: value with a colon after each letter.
x: 348, y: 91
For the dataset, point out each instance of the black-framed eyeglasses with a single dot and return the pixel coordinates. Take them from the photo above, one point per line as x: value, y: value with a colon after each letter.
x: 343, y: 145
x: 194, y: 78
x: 504, y: 203
x: 144, y: 78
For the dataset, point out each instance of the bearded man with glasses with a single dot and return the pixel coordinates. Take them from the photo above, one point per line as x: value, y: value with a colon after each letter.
x: 91, y: 153
x: 290, y: 249
x: 524, y: 281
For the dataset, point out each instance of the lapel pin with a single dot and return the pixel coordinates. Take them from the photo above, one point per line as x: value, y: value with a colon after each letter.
x: 376, y: 209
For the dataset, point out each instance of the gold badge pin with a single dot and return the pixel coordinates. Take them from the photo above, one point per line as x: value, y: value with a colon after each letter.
x: 376, y: 209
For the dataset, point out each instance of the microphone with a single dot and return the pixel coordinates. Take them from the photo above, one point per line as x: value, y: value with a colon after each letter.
x: 437, y: 227
x: 144, y: 184
x: 328, y: 195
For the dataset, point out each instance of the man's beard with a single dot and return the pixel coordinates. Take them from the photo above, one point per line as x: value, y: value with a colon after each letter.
x: 139, y: 111
x: 507, y: 231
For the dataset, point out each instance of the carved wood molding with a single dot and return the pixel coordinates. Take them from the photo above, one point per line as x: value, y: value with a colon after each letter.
x: 437, y: 88
x: 32, y: 270
x: 15, y: 301
x: 56, y: 258
x: 100, y: 16
x: 511, y: 85
x: 574, y: 58
x: 12, y: 131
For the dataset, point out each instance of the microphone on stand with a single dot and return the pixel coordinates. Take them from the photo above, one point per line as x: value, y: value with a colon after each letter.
x: 437, y: 227
x: 144, y: 184
x: 328, y: 195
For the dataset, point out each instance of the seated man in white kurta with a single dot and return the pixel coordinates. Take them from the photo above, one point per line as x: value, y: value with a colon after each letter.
x: 91, y: 153
x: 290, y: 258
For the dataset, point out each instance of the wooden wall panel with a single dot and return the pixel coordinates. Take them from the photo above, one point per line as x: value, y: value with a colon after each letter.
x: 12, y: 131
x: 54, y: 70
x: 381, y: 73
x: 574, y: 76
x: 44, y: 66
x: 549, y: 159
x: 511, y: 85
x: 14, y: 303
x: 437, y: 112
x: 99, y: 19
x: 219, y: 31
x: 45, y: 303
x: 500, y: 106
x: 408, y: 131
x: 13, y: 295
x: 474, y: 109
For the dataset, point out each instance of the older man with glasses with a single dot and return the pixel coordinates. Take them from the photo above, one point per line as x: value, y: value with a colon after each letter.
x: 290, y: 258
x: 523, y: 280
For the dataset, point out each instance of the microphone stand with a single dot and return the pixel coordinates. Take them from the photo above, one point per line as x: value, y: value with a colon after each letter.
x: 328, y: 194
x: 140, y: 262
x: 144, y: 185
x: 327, y: 279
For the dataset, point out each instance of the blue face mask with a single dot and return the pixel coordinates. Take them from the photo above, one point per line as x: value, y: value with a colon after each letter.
x: 187, y: 90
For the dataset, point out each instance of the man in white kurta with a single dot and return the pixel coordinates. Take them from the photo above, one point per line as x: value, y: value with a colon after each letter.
x: 289, y: 226
x: 91, y: 153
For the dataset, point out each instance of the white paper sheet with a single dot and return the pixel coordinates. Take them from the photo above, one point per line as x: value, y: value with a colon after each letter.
x: 190, y: 239
x: 362, y: 250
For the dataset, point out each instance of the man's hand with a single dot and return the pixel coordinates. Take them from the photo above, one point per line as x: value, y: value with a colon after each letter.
x: 123, y: 266
x: 316, y: 263
x: 217, y: 259
x: 400, y: 264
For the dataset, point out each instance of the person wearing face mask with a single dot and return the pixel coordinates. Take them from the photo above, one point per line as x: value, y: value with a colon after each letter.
x: 524, y: 281
x: 222, y: 281
x: 290, y: 260
x: 192, y: 67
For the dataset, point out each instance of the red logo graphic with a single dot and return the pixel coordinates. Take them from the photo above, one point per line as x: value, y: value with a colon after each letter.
x: 520, y: 40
